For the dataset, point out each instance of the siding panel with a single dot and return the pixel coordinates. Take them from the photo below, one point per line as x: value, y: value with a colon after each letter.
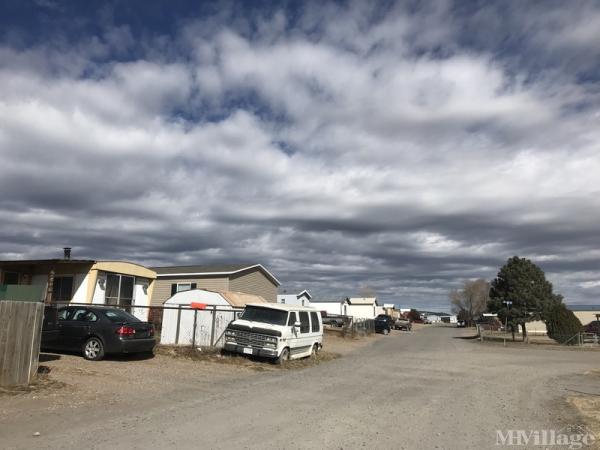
x: 254, y: 282
x: 162, y: 286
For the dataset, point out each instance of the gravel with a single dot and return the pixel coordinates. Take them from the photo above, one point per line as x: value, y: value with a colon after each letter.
x: 426, y: 389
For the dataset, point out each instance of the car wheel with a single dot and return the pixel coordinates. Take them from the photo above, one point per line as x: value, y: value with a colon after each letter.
x: 93, y: 349
x: 385, y: 331
x: 284, y: 356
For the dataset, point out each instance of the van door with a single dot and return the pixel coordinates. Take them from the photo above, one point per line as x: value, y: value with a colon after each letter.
x: 295, y: 333
x: 305, y: 336
x: 315, y: 326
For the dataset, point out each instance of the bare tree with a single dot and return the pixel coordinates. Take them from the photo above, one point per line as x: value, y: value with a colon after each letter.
x: 470, y: 301
x: 367, y: 292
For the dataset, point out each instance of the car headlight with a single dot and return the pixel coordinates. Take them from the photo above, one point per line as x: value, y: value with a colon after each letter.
x: 271, y: 339
x: 229, y: 333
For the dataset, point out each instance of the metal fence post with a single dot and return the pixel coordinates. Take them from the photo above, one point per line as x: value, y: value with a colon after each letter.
x: 177, y: 329
x: 194, y: 332
x: 212, y: 329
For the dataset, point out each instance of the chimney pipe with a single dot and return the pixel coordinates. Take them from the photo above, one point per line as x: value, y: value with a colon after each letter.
x: 67, y: 252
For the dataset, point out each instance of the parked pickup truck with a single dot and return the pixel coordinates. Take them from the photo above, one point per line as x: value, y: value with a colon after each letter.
x: 383, y: 323
x: 403, y: 324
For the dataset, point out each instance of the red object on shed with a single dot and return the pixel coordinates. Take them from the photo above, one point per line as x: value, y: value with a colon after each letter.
x: 195, y: 305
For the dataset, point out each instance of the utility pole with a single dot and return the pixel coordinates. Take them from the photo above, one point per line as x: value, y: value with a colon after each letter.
x: 507, y: 303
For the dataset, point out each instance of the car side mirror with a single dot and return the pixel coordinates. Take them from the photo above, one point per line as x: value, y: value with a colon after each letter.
x: 297, y: 325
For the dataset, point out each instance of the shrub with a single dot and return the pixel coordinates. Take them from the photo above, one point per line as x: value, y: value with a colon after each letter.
x: 562, y: 324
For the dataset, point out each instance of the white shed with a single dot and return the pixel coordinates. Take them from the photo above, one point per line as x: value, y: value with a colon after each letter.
x: 209, y: 311
x: 362, y: 307
x: 333, y: 308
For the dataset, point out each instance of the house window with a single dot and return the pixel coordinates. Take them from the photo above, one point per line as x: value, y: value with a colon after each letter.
x: 62, y: 289
x: 11, y: 278
x: 119, y: 289
x: 182, y: 287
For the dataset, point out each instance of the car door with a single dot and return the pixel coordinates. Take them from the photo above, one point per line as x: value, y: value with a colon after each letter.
x: 62, y: 317
x: 77, y: 327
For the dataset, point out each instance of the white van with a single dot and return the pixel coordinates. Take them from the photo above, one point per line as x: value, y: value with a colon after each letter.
x: 275, y: 331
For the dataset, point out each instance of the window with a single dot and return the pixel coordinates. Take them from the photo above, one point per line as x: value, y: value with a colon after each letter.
x: 126, y: 290
x: 62, y: 289
x: 63, y: 313
x: 292, y: 319
x: 181, y: 287
x: 304, y: 322
x: 84, y: 315
x: 265, y: 315
x: 117, y: 316
x: 119, y: 289
x: 184, y: 287
x: 314, y: 320
x: 11, y: 278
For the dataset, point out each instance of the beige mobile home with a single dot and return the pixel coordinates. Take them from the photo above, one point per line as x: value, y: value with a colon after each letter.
x: 247, y: 278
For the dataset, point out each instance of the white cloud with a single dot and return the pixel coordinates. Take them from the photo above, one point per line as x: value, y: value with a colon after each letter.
x: 370, y: 153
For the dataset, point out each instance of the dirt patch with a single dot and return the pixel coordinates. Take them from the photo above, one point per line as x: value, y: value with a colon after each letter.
x: 588, y: 408
x: 43, y: 383
x: 587, y: 404
x: 335, y: 342
x: 215, y: 356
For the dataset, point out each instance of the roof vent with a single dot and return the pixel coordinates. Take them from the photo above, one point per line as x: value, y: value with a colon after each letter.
x: 67, y: 252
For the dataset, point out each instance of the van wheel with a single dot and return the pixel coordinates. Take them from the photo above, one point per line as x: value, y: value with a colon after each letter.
x: 315, y: 350
x: 93, y: 349
x: 284, y: 356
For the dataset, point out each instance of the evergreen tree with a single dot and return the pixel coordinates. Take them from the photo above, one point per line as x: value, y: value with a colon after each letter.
x: 561, y: 323
x: 524, y: 284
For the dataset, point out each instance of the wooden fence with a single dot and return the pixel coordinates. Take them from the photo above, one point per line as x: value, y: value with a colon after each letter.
x: 20, y: 335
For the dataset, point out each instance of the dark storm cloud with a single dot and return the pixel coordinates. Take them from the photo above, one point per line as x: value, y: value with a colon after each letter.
x: 403, y: 147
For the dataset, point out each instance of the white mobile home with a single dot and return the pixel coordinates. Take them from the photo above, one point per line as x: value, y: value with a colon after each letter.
x: 301, y: 299
x: 359, y: 308
x: 336, y: 308
x: 118, y: 283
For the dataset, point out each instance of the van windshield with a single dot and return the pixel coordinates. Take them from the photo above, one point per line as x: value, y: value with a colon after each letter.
x: 265, y: 315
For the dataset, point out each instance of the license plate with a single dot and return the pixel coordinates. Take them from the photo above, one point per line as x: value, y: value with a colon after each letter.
x: 247, y: 351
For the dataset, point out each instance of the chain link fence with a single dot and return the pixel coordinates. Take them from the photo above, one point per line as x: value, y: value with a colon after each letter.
x: 181, y: 325
x: 578, y: 340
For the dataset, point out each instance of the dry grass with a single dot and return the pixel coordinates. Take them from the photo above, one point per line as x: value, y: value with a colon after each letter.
x: 588, y: 405
x: 589, y: 408
x: 211, y: 355
x: 43, y: 382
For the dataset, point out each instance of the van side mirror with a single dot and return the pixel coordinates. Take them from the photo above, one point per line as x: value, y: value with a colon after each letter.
x: 297, y: 325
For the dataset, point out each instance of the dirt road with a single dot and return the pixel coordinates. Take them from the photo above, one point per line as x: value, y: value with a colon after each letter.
x: 429, y: 389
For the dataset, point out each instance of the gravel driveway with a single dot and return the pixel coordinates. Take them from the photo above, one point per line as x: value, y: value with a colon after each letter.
x: 428, y: 389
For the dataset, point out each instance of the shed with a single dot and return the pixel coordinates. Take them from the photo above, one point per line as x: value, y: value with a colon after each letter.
x: 199, y: 316
x: 362, y: 307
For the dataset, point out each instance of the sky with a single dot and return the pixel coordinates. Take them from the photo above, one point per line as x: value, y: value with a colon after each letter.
x: 399, y: 148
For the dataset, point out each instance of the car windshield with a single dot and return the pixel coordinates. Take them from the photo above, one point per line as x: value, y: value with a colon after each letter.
x: 265, y: 315
x: 380, y: 317
x: 118, y: 315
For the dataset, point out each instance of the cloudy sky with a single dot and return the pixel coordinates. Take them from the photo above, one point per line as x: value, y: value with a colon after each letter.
x: 404, y: 147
